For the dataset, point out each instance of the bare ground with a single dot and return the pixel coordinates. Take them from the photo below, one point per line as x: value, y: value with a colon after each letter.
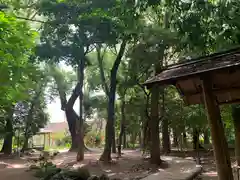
x: 130, y: 166
x: 207, y: 162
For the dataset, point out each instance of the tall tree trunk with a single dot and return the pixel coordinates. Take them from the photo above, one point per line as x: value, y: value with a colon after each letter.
x: 175, y: 137
x: 106, y: 155
x: 154, y: 127
x: 7, y: 144
x: 165, y: 136
x: 70, y: 114
x: 236, y: 122
x: 206, y: 137
x: 72, y: 118
x: 124, y: 139
x: 80, y: 128
x: 114, y: 141
x: 146, y: 131
x: 25, y: 144
x: 140, y: 139
x: 184, y: 137
x: 196, y: 144
x: 195, y: 141
x: 133, y: 139
x: 29, y: 119
x: 122, y: 125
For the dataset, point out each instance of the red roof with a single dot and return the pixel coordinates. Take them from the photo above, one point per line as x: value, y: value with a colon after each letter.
x: 56, y: 127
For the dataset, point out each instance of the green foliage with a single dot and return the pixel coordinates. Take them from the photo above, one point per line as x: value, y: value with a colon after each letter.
x: 158, y: 33
x: 93, y: 139
x: 46, y: 170
x: 17, y: 43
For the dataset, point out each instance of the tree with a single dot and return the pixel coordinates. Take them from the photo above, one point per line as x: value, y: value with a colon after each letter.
x: 56, y: 35
x: 63, y: 84
x: 34, y: 116
x: 17, y: 42
x: 125, y: 13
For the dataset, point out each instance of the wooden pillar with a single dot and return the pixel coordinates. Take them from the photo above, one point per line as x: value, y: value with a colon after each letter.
x: 49, y: 139
x: 44, y: 140
x: 236, y: 122
x: 220, y: 147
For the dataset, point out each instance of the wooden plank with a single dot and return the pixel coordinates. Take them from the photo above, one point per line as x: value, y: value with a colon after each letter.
x: 224, y: 96
x: 220, y: 146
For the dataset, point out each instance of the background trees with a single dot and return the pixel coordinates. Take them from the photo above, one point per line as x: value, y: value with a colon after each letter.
x: 112, y: 47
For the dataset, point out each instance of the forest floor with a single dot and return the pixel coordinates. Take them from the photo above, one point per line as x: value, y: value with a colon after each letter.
x: 130, y: 166
x: 207, y: 162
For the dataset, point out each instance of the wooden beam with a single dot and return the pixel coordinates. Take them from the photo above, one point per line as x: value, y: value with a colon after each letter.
x: 179, y: 89
x: 217, y: 91
x: 220, y: 147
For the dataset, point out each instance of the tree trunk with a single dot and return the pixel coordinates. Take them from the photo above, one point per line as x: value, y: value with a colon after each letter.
x: 196, y: 144
x: 220, y: 145
x: 72, y: 118
x: 165, y: 136
x: 236, y: 121
x: 80, y: 128
x: 124, y: 139
x: 195, y: 139
x: 114, y: 141
x: 25, y: 144
x: 7, y: 144
x: 70, y: 114
x: 140, y: 139
x: 106, y: 155
x: 133, y: 140
x: 122, y: 126
x: 184, y: 137
x: 175, y: 137
x: 206, y: 137
x: 154, y: 127
x: 29, y: 119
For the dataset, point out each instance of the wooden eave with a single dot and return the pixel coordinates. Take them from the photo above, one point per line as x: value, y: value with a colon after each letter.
x: 223, y: 69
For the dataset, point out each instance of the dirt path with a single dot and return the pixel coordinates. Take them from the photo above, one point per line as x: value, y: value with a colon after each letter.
x: 130, y: 166
x: 16, y: 174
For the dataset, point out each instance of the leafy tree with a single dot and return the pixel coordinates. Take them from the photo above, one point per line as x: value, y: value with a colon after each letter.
x: 35, y: 116
x: 17, y: 42
x: 68, y: 37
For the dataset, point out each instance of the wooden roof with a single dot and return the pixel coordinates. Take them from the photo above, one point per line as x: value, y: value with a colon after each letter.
x: 222, y: 68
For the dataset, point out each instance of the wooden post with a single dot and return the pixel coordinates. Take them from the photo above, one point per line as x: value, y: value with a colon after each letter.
x: 220, y: 147
x: 44, y: 140
x: 236, y: 122
x: 49, y: 139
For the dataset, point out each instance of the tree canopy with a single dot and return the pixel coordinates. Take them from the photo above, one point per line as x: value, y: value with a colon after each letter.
x: 111, y: 47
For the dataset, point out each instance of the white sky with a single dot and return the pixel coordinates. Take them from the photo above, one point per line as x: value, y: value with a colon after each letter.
x: 55, y: 112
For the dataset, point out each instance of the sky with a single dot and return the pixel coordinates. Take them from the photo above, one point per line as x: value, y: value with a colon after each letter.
x: 55, y: 112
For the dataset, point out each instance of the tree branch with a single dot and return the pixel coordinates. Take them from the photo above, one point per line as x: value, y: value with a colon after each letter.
x: 119, y: 56
x: 74, y: 96
x: 102, y: 74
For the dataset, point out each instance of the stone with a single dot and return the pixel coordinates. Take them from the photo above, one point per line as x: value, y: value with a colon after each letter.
x: 83, y: 173
x: 79, y: 174
x: 93, y: 178
x: 33, y: 167
x: 104, y: 177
